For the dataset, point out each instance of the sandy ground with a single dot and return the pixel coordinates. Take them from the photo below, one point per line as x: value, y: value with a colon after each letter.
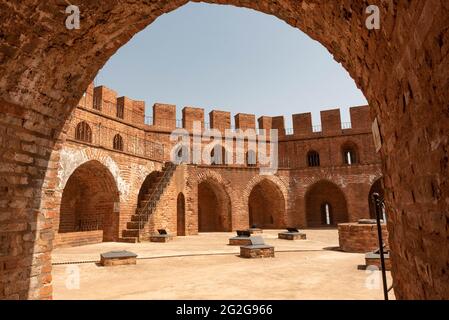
x: 205, y: 267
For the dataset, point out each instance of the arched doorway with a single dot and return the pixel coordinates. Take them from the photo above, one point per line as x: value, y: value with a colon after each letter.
x: 90, y: 202
x: 181, y: 215
x: 266, y: 205
x: 378, y: 188
x: 395, y: 85
x: 214, y: 207
x: 325, y: 205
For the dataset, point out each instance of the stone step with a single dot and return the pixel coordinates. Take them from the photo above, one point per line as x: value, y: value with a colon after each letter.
x: 128, y: 239
x: 136, y: 218
x: 133, y: 224
x: 147, y: 196
x: 143, y: 204
x: 130, y: 233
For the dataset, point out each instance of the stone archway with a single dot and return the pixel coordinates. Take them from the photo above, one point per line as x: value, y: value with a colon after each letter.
x: 325, y: 205
x: 402, y: 74
x: 214, y: 207
x: 266, y: 205
x: 90, y: 202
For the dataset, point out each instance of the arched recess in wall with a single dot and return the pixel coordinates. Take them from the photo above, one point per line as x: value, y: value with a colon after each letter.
x: 325, y: 205
x: 377, y: 187
x: 181, y: 214
x: 214, y: 207
x: 266, y: 205
x: 90, y: 201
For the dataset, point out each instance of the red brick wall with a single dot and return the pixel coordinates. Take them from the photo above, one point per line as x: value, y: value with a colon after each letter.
x: 74, y: 239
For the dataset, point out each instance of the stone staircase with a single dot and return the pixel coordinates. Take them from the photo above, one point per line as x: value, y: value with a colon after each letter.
x: 135, y: 228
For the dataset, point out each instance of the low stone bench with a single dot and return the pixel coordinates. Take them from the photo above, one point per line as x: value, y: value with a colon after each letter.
x: 242, y: 238
x: 373, y: 259
x: 257, y: 249
x: 117, y: 258
x: 292, y: 234
x: 162, y: 236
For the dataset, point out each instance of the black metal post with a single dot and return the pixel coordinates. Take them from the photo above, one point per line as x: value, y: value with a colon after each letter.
x: 376, y: 200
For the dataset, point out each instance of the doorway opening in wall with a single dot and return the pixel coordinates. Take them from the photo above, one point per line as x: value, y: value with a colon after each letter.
x: 266, y: 206
x: 326, y: 214
x: 181, y: 215
x: 326, y: 205
x: 214, y: 208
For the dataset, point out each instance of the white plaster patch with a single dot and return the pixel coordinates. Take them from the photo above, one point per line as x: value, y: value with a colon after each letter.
x: 71, y: 159
x: 68, y: 162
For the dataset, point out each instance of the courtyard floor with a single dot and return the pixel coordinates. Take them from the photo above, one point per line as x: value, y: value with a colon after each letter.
x: 205, y: 267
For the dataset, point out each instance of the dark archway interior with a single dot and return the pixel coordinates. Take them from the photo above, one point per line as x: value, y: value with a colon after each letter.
x: 214, y: 208
x: 317, y: 197
x: 181, y: 215
x: 266, y: 206
x: 88, y: 201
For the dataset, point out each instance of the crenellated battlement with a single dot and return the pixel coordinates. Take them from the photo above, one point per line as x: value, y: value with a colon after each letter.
x: 164, y: 118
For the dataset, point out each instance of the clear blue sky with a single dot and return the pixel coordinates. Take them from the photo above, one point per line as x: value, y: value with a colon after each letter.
x: 232, y: 59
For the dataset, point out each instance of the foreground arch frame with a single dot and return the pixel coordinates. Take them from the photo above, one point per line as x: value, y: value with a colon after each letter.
x: 401, y: 68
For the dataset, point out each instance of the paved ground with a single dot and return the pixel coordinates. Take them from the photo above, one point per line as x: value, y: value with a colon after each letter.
x: 205, y: 267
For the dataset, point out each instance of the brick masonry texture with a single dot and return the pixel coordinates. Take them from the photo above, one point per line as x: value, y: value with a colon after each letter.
x: 401, y: 69
x: 362, y: 238
x: 248, y: 252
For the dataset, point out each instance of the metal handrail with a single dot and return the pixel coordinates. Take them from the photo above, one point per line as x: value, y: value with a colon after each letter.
x: 157, y: 192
